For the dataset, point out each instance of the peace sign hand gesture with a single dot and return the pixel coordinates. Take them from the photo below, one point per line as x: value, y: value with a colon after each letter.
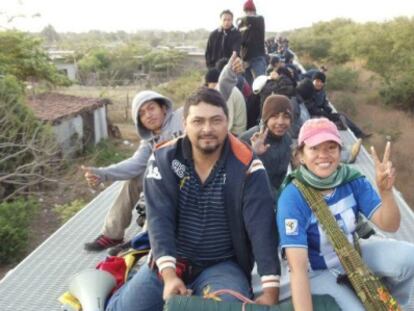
x: 258, y: 142
x: 384, y: 172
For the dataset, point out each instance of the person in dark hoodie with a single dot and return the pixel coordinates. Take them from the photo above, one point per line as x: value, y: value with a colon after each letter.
x: 210, y: 215
x: 322, y: 107
x: 156, y: 122
x: 223, y: 41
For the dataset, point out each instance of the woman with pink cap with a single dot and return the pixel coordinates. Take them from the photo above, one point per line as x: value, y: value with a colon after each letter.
x: 313, y: 263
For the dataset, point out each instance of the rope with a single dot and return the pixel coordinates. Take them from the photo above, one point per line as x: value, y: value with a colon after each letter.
x: 215, y: 296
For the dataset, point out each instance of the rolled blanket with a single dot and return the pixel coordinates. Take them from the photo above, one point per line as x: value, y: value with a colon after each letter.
x: 183, y: 303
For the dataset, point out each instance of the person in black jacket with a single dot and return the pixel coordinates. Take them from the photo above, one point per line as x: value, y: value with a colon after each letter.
x: 222, y: 41
x: 318, y: 106
x: 210, y: 215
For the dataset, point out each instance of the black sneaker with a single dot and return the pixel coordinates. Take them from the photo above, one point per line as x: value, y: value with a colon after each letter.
x: 114, y: 251
x: 365, y: 135
x: 101, y: 242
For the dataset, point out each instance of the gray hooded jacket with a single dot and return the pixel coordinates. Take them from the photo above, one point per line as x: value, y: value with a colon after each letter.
x: 171, y: 128
x: 136, y: 165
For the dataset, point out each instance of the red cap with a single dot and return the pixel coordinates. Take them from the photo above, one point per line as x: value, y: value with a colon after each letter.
x: 249, y: 6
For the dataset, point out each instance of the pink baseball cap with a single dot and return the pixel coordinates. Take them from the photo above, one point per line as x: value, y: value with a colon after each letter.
x: 316, y: 131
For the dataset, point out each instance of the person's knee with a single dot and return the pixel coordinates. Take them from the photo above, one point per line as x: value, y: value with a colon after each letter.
x: 227, y: 275
x: 404, y: 261
x: 143, y: 292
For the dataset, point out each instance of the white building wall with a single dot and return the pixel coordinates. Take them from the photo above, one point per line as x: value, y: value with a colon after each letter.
x: 101, y: 128
x: 71, y: 70
x: 69, y: 135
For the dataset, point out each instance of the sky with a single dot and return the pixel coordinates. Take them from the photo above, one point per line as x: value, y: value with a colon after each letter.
x: 185, y: 15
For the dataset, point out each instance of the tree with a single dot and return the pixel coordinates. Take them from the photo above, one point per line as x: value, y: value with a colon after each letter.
x: 28, y: 150
x: 50, y: 34
x: 22, y: 56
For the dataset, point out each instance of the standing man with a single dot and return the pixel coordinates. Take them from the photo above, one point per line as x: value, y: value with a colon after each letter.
x: 252, y: 51
x: 210, y: 214
x: 222, y: 41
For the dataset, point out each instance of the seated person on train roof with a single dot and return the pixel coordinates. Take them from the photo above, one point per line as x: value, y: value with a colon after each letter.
x: 274, y: 64
x: 270, y: 140
x: 317, y: 104
x: 310, y: 72
x: 156, y: 122
x: 241, y: 83
x: 236, y: 104
x: 209, y: 211
x: 313, y: 262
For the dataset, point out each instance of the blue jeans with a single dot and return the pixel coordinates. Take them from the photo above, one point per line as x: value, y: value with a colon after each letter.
x: 257, y: 67
x: 391, y: 259
x: 144, y: 291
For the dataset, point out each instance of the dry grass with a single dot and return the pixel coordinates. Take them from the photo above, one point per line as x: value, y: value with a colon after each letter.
x: 385, y: 123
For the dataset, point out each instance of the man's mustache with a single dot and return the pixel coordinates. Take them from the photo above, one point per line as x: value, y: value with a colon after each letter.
x: 207, y: 136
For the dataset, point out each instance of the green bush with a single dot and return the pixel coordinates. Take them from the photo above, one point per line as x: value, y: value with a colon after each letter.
x: 179, y: 89
x: 23, y: 56
x: 15, y: 218
x: 66, y: 211
x: 106, y: 152
x: 342, y: 79
x: 400, y: 92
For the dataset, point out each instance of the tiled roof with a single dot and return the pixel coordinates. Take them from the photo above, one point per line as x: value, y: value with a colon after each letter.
x: 53, y: 107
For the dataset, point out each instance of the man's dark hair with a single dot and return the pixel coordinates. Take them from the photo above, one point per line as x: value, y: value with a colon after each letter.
x: 212, y: 76
x: 227, y: 12
x: 221, y: 63
x: 208, y: 96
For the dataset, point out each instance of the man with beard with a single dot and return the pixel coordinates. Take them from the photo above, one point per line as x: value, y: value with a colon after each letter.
x: 210, y: 215
x: 156, y: 123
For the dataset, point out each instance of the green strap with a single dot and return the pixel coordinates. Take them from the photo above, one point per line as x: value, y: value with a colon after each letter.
x: 370, y: 290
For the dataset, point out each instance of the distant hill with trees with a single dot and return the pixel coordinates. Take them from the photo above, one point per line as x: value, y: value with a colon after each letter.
x: 384, y: 48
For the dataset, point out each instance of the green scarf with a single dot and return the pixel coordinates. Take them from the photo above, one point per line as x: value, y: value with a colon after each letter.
x: 342, y: 175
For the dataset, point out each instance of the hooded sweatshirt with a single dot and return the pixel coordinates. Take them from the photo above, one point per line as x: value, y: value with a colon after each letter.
x: 136, y: 165
x: 171, y: 128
